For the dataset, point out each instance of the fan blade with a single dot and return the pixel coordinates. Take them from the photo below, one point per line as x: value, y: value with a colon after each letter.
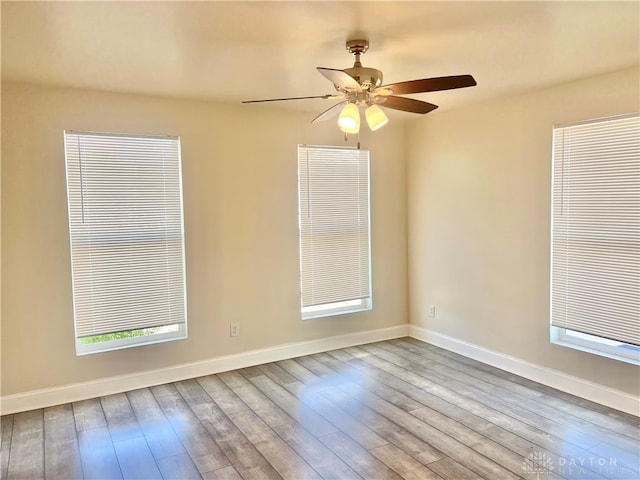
x: 431, y: 84
x: 329, y: 112
x: 408, y: 104
x: 340, y: 79
x: 292, y: 98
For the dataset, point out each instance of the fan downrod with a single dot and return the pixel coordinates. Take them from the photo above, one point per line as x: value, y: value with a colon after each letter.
x: 368, y: 78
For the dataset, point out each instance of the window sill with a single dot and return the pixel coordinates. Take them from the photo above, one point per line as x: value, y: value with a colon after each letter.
x: 334, y: 309
x: 109, y: 346
x: 621, y: 354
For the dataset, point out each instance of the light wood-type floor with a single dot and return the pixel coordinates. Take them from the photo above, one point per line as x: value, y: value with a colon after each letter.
x: 394, y: 409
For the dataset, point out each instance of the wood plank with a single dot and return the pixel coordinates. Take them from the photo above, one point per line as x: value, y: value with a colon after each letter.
x: 340, y: 419
x: 99, y: 460
x: 359, y: 459
x: 395, y: 434
x: 224, y: 473
x: 245, y: 458
x: 491, y: 440
x: 453, y: 364
x: 135, y: 458
x: 277, y: 373
x: 203, y: 450
x: 305, y: 376
x: 317, y: 455
x: 501, y: 453
x: 357, y: 375
x: 449, y: 445
x: 320, y: 370
x: 582, y: 434
x: 98, y: 457
x: 6, y: 427
x: 281, y: 456
x: 192, y: 393
x: 178, y: 466
x: 249, y: 372
x: 27, y: 446
x: 550, y: 393
x: 449, y: 469
x: 272, y: 414
x: 507, y: 402
x: 555, y: 404
x: 490, y: 424
x: 622, y: 457
x: 403, y: 464
x: 162, y: 440
x: 386, y: 429
x: 232, y: 379
x: 511, y: 377
x: 222, y: 395
x: 62, y: 454
x: 300, y: 412
x: 393, y: 409
x: 88, y: 414
x: 419, y: 449
x: 559, y: 445
x: 121, y: 420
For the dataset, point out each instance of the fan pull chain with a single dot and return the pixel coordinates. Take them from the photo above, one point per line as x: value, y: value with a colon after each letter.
x: 346, y: 138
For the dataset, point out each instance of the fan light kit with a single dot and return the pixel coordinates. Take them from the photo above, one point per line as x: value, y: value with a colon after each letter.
x: 360, y: 87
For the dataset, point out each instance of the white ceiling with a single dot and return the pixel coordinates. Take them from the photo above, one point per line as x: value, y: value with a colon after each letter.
x: 233, y: 51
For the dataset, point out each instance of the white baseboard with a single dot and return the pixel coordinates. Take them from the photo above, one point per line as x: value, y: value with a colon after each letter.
x: 567, y: 383
x: 106, y: 386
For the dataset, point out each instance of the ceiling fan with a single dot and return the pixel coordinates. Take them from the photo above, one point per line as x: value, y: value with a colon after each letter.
x: 360, y: 86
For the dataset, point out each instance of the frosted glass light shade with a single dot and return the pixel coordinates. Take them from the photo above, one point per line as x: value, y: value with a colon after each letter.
x: 349, y: 119
x: 375, y: 117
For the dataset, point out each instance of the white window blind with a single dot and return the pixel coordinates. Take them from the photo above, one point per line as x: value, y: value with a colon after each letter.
x: 126, y: 230
x: 334, y: 225
x: 595, y: 287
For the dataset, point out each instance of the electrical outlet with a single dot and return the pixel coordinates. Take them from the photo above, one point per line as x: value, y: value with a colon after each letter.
x: 235, y: 330
x: 432, y: 311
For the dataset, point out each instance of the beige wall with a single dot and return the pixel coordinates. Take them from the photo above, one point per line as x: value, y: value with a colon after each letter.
x: 240, y: 201
x: 479, y: 182
x: 477, y: 187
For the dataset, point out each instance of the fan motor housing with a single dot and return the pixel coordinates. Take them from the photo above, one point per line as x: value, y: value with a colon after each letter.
x: 368, y: 78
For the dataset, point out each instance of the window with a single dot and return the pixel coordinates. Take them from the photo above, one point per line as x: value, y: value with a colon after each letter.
x: 127, y: 240
x: 333, y: 191
x: 595, y: 265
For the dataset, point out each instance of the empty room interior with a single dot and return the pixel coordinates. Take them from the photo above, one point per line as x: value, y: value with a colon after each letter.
x: 329, y: 240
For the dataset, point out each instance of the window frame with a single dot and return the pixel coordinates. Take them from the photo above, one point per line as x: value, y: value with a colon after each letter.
x: 180, y: 333
x: 560, y: 334
x: 624, y: 352
x: 338, y: 307
x: 81, y: 238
